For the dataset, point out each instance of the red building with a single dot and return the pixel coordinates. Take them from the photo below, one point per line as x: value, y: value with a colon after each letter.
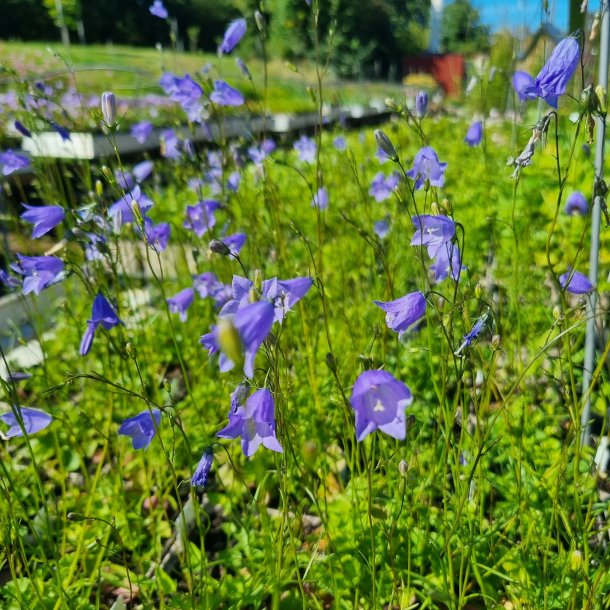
x: 447, y: 69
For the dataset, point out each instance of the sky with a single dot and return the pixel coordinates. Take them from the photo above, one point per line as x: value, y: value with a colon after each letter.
x: 514, y: 14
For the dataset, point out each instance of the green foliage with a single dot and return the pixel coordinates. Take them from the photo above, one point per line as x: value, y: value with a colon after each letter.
x: 462, y: 31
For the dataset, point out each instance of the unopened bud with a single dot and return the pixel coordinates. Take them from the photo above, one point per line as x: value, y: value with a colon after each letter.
x: 137, y: 212
x: 392, y: 104
x: 495, y: 341
x: 386, y: 145
x: 107, y: 173
x: 109, y: 108
x: 330, y: 362
x: 131, y: 350
x: 602, y: 99
x: 421, y: 104
x: 99, y: 188
x: 446, y: 204
x: 219, y: 247
x: 557, y: 312
x: 403, y: 468
x: 229, y: 341
x: 258, y: 279
x: 260, y: 21
x: 434, y: 209
x: 75, y: 517
x: 478, y: 290
x: 576, y: 560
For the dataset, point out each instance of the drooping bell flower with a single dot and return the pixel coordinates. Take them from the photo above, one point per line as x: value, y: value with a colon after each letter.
x: 432, y: 232
x: 11, y: 162
x: 233, y: 35
x: 379, y: 402
x: 575, y: 282
x: 576, y: 204
x: 427, y: 168
x: 39, y: 272
x: 102, y: 314
x: 180, y: 302
x: 158, y: 10
x: 44, y: 218
x: 141, y: 131
x: 402, y: 313
x: 200, y: 476
x: 141, y: 428
x: 34, y: 421
x: 225, y: 95
x: 474, y: 135
x: 553, y: 79
x: 255, y: 423
x: 306, y: 149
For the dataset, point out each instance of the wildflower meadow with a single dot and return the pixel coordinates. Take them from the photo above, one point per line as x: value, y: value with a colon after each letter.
x: 342, y: 366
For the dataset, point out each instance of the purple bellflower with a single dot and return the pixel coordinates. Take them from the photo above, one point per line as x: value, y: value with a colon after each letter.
x: 235, y: 32
x: 285, y: 294
x: 158, y: 10
x: 447, y: 262
x: 207, y: 285
x: 22, y: 129
x: 200, y: 217
x: 180, y: 302
x: 552, y: 80
x: 402, y: 313
x: 235, y: 242
x: 427, y: 168
x: 576, y: 204
x: 141, y: 428
x: 44, y: 218
x: 471, y: 336
x: 225, y: 95
x: 340, y: 143
x: 102, y: 314
x: 187, y: 93
x: 157, y: 235
x: 379, y: 401
x: 200, y: 476
x: 122, y: 210
x: 382, y: 187
x: 421, y: 104
x: 141, y: 131
x: 253, y: 324
x: 474, y: 135
x: 432, y: 232
x: 575, y: 282
x: 39, y: 272
x: 306, y: 149
x: 33, y: 421
x: 255, y: 423
x: 382, y: 227
x: 320, y: 199
x: 11, y: 162
x: 8, y: 280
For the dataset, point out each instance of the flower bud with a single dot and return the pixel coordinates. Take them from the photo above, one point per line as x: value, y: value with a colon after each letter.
x: 107, y: 173
x: 403, y: 468
x: 109, y: 108
x: 131, y: 350
x: 219, y: 247
x: 229, y: 341
x: 330, y: 362
x: 434, y: 209
x: 260, y: 21
x: 421, y: 104
x: 386, y: 145
x: 478, y: 290
x: 75, y: 517
x: 495, y: 341
x: 137, y: 212
x: 576, y: 560
x: 258, y: 279
x: 99, y: 188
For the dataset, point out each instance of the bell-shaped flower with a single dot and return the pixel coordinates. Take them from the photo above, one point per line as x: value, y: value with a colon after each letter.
x: 44, y: 218
x: 225, y: 95
x: 575, y: 282
x: 141, y: 428
x: 432, y: 232
x: 180, y: 302
x: 576, y: 204
x: 39, y: 272
x: 427, y: 168
x: 254, y: 423
x: 402, y: 313
x: 102, y: 314
x: 474, y: 135
x: 235, y: 32
x: 33, y: 421
x: 553, y: 79
x: 379, y: 401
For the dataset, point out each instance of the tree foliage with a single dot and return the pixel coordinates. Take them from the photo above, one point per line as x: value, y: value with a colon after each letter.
x: 462, y: 31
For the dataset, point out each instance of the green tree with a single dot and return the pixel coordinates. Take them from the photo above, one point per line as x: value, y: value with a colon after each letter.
x: 462, y: 31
